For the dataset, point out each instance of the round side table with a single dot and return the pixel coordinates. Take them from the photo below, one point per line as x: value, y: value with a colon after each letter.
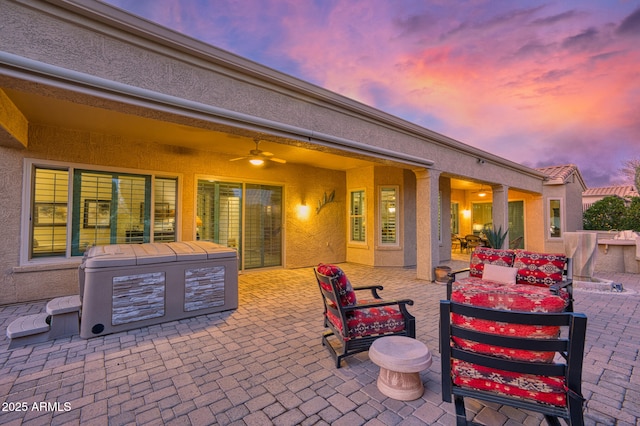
x: 401, y: 359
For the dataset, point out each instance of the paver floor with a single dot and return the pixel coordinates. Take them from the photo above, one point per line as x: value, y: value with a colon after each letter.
x: 263, y: 364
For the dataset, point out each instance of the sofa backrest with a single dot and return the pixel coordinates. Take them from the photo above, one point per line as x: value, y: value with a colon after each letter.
x: 541, y: 269
x: 488, y: 255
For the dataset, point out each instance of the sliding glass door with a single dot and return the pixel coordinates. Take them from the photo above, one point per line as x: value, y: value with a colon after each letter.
x: 244, y: 216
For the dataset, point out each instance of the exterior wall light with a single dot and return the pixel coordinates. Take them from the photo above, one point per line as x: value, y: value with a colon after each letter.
x: 303, y: 211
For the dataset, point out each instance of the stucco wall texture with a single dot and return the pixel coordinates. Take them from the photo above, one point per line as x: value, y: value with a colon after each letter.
x: 301, y: 184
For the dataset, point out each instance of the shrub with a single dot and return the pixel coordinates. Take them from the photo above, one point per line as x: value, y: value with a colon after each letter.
x: 632, y: 216
x: 605, y: 215
x: 496, y: 237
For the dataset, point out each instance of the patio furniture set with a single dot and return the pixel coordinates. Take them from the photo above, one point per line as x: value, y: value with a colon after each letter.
x: 508, y: 334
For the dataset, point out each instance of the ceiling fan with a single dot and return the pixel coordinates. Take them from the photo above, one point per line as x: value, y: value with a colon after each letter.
x: 482, y: 192
x: 257, y: 157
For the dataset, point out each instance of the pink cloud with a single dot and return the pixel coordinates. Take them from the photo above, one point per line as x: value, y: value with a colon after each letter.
x: 496, y: 75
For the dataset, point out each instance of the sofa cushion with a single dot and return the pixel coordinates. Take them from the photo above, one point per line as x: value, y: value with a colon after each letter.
x: 548, y: 390
x: 477, y: 292
x: 499, y: 274
x: 369, y: 321
x: 346, y: 294
x: 541, y: 269
x: 487, y: 255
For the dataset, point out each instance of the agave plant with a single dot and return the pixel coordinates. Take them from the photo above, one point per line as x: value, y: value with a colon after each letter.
x: 496, y: 237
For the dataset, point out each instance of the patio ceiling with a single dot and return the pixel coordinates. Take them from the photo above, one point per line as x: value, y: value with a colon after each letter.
x: 52, y: 111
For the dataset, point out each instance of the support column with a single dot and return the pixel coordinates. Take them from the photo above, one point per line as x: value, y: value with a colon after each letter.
x: 427, y: 245
x: 501, y: 210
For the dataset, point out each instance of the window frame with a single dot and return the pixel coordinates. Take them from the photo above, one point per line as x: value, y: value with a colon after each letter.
x: 28, y: 200
x: 351, y: 216
x: 243, y: 183
x: 396, y: 191
x: 561, y: 218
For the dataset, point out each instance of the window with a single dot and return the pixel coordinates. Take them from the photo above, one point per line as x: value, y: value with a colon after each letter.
x: 482, y: 217
x: 388, y: 215
x: 455, y: 218
x: 49, y: 224
x: 72, y: 209
x: 516, y: 224
x: 482, y: 220
x: 555, y: 218
x: 357, y: 219
x: 245, y: 216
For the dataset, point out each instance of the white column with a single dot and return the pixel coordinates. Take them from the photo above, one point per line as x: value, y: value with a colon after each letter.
x: 501, y: 210
x: 427, y: 245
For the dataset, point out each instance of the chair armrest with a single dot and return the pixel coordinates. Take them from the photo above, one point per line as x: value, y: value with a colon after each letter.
x: 452, y: 274
x: 401, y: 303
x: 562, y: 284
x: 567, y: 285
x: 373, y: 288
x: 452, y: 278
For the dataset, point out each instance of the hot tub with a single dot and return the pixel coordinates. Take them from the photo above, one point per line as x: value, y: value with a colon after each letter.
x: 127, y: 286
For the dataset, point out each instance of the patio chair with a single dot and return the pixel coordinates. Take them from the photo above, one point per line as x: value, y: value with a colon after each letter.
x: 516, y: 359
x: 472, y: 241
x: 353, y: 325
x: 516, y: 243
x: 457, y: 243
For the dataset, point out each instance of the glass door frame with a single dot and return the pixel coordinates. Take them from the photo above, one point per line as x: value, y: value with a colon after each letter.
x: 241, y: 245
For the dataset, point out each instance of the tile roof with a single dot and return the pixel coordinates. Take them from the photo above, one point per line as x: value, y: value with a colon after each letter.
x: 620, y: 190
x: 560, y: 174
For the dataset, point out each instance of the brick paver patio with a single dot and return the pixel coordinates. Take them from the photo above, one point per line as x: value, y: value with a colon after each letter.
x: 263, y: 364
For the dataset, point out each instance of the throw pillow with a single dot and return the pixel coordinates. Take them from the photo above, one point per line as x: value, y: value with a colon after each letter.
x: 499, y: 274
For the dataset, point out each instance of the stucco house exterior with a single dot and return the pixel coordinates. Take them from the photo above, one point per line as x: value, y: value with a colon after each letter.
x: 116, y: 130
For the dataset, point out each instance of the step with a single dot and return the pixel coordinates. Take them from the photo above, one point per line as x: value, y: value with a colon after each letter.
x: 28, y: 325
x: 28, y: 329
x: 64, y: 305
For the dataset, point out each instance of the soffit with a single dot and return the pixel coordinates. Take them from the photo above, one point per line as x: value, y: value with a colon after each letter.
x: 231, y: 142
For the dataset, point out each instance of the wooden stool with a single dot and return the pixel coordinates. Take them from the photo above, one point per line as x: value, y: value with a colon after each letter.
x: 401, y: 359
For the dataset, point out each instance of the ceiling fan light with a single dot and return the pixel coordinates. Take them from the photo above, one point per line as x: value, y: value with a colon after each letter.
x: 256, y: 161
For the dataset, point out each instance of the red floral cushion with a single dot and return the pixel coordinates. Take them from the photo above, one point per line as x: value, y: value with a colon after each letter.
x: 346, y: 294
x: 369, y: 321
x: 548, y: 390
x: 476, y: 292
x: 483, y: 255
x: 539, y: 269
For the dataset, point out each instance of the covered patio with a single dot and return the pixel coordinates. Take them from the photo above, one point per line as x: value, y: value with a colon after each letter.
x: 263, y: 363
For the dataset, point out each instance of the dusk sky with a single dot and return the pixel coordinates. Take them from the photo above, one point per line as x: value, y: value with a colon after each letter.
x: 537, y: 82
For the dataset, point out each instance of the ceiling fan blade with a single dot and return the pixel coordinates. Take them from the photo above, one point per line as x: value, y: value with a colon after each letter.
x: 278, y: 160
x: 239, y: 158
x: 266, y: 153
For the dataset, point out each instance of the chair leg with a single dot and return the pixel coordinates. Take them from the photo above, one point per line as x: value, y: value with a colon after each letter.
x: 461, y: 414
x: 552, y: 421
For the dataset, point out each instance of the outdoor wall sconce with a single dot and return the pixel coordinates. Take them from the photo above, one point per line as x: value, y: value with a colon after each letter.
x: 325, y: 200
x: 303, y: 211
x: 466, y: 213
